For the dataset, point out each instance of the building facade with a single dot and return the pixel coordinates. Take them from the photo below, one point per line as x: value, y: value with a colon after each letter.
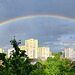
x: 10, y: 52
x: 68, y: 53
x: 31, y: 46
x: 0, y: 50
x: 43, y: 52
x: 23, y: 48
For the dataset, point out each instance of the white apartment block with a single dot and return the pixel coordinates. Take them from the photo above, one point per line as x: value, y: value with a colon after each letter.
x: 68, y: 53
x: 31, y: 46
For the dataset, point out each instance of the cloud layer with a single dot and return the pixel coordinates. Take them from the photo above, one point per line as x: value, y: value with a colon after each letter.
x: 49, y: 31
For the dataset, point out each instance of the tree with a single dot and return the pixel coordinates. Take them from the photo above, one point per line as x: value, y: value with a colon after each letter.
x: 20, y: 64
x: 17, y: 64
x: 72, y: 67
x: 48, y: 67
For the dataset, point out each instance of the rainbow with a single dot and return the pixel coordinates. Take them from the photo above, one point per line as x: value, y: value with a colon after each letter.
x: 36, y: 16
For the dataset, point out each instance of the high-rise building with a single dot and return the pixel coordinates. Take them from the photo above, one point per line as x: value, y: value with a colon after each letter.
x: 43, y: 52
x: 0, y: 50
x: 31, y: 46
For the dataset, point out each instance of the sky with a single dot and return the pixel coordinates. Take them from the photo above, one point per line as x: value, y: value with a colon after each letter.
x: 55, y: 33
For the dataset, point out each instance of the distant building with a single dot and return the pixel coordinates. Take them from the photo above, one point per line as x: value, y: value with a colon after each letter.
x: 23, y: 48
x: 31, y: 46
x: 43, y: 52
x: 68, y: 53
x: 0, y: 50
x: 34, y: 61
x: 10, y: 52
x: 73, y: 59
x: 52, y: 56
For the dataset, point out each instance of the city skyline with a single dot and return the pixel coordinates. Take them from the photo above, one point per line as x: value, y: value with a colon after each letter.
x: 33, y: 50
x: 54, y: 32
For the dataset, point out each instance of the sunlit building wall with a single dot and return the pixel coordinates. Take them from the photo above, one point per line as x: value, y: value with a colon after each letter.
x: 31, y: 46
x: 23, y: 48
x: 0, y: 50
x: 10, y: 52
x: 43, y: 52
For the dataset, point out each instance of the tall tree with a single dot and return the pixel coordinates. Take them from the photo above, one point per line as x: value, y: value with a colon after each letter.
x: 18, y: 63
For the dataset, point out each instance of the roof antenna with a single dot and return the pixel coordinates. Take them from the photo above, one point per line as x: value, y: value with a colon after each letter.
x: 14, y: 37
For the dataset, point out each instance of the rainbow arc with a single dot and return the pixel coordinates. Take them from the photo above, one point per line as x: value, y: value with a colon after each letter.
x: 36, y: 16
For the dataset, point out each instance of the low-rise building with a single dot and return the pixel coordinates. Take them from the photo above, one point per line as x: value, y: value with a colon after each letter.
x: 52, y: 56
x: 10, y: 52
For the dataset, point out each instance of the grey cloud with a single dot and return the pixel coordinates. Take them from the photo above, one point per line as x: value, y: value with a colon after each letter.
x: 39, y: 28
x: 13, y: 8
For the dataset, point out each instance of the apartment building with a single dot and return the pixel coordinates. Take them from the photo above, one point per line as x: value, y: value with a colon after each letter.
x: 68, y: 53
x: 31, y: 46
x: 43, y: 52
x: 32, y: 50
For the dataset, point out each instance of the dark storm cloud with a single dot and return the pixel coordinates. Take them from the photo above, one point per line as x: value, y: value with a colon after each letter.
x: 46, y: 30
x: 41, y: 26
x: 43, y: 29
x: 15, y: 8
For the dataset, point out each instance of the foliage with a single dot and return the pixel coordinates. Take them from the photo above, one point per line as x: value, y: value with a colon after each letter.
x: 54, y: 66
x: 17, y: 64
x: 6, y: 56
x: 20, y: 64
